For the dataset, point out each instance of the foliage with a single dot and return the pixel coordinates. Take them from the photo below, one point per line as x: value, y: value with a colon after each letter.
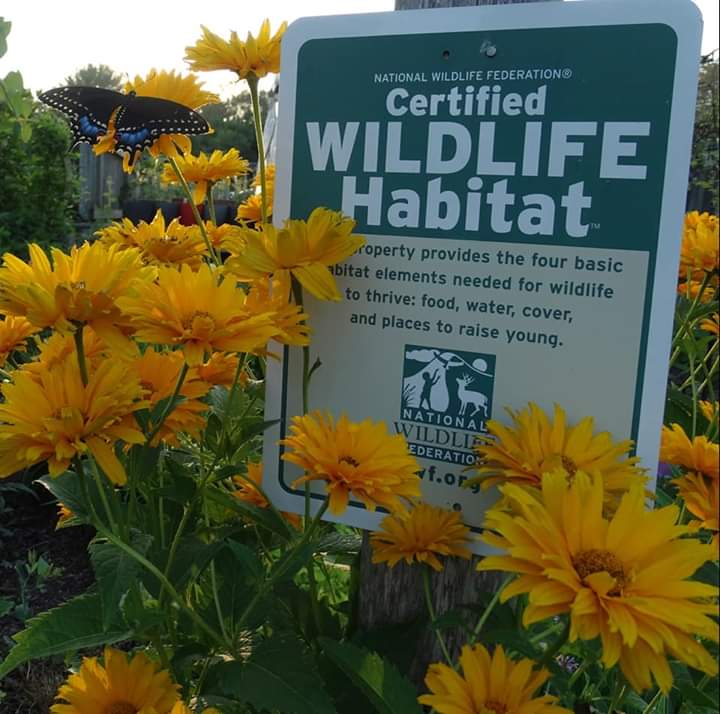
x: 96, y: 76
x: 233, y: 124
x: 36, y: 185
x: 705, y: 160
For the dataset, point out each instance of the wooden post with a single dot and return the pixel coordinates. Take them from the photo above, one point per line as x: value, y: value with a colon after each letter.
x: 390, y: 596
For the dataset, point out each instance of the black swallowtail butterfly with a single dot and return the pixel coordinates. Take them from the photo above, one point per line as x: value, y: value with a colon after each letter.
x: 139, y: 121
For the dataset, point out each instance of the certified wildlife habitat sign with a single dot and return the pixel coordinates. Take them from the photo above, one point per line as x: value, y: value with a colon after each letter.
x: 520, y: 174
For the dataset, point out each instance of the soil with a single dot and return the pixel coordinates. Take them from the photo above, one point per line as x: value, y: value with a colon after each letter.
x: 27, y: 523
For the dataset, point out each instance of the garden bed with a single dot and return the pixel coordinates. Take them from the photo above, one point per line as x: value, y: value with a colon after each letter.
x: 40, y: 568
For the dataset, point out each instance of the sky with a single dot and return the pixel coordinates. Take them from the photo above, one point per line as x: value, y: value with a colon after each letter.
x: 51, y: 39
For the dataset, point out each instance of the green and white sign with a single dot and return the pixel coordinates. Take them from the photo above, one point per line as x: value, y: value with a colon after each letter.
x: 520, y: 175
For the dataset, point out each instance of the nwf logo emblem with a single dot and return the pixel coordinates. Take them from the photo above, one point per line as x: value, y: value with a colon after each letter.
x: 449, y: 388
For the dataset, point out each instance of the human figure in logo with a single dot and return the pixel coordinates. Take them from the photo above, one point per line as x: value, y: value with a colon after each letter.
x: 429, y: 383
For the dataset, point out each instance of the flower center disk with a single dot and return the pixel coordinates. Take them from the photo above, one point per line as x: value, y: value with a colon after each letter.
x: 587, y: 562
x: 492, y: 706
x: 349, y: 460
x: 120, y: 708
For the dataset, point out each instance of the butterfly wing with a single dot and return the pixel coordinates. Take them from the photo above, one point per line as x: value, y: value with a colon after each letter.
x: 143, y: 119
x: 88, y: 108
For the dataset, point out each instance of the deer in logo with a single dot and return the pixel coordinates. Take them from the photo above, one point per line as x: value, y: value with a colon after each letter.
x: 468, y: 397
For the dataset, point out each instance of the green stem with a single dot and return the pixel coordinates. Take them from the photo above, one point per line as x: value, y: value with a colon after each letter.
x: 298, y: 296
x: 693, y: 385
x: 258, y: 487
x: 431, y: 612
x: 175, y: 543
x: 81, y: 473
x: 196, y: 215
x: 103, y: 497
x: 211, y: 203
x: 280, y: 572
x: 682, y: 328
x: 576, y: 674
x: 213, y: 584
x: 488, y: 610
x: 170, y: 404
x: 252, y: 81
x: 653, y: 702
x: 620, y: 690
x: 80, y: 349
x: 167, y: 585
x: 554, y: 648
x: 702, y: 365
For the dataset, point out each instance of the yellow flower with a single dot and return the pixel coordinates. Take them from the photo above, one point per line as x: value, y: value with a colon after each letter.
x: 420, y: 534
x: 220, y: 369
x: 58, y: 348
x: 251, y: 210
x: 700, y: 454
x: 204, y: 170
x: 269, y: 178
x: 711, y: 324
x: 534, y: 445
x: 158, y: 374
x: 158, y: 245
x: 53, y: 416
x: 690, y: 289
x: 624, y: 579
x: 77, y: 289
x: 13, y: 333
x: 65, y: 515
x: 302, y: 249
x: 256, y: 56
x: 246, y: 491
x: 225, y: 237
x: 198, y: 312
x: 162, y: 85
x: 709, y: 410
x: 361, y: 458
x: 488, y: 685
x: 290, y: 320
x: 118, y: 686
x: 702, y: 499
x: 700, y: 245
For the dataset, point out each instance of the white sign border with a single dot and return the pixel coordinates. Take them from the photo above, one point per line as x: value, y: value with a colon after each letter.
x: 682, y: 16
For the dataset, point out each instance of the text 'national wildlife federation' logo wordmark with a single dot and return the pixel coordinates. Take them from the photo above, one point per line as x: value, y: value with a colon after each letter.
x: 447, y: 388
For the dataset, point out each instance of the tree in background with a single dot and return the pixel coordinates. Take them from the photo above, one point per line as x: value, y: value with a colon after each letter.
x: 704, y: 163
x: 233, y: 124
x: 96, y: 76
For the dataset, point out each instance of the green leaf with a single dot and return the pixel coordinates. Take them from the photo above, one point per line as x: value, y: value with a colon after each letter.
x: 280, y: 675
x: 6, y: 606
x: 291, y: 561
x: 66, y: 488
x: 262, y: 516
x: 142, y: 460
x: 74, y: 625
x: 115, y: 572
x: 5, y: 27
x: 709, y: 573
x: 25, y: 132
x: 386, y: 689
x: 191, y: 558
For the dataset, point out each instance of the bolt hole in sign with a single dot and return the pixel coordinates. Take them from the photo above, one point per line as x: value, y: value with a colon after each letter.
x: 520, y: 174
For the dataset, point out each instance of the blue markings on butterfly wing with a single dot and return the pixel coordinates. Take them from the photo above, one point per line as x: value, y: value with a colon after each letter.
x: 89, y: 129
x: 133, y: 139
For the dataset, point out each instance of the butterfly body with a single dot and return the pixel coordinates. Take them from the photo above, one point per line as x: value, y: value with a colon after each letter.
x: 137, y: 121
